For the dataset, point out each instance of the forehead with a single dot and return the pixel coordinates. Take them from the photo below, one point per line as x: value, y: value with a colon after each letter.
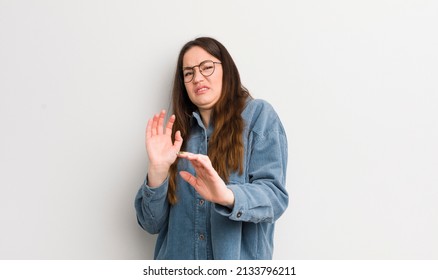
x: 196, y: 55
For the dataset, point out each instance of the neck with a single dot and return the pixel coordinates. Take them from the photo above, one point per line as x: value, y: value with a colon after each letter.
x: 205, y: 116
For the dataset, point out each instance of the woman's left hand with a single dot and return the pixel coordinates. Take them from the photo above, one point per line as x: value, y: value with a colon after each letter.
x: 207, y: 182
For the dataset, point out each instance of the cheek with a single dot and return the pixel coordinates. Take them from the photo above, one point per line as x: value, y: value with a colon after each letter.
x: 189, y: 89
x: 218, y: 81
x: 218, y: 85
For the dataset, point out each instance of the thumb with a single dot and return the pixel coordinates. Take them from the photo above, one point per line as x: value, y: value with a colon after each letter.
x: 178, y: 140
x: 189, y: 178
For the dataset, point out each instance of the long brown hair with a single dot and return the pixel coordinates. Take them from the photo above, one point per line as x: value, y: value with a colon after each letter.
x: 225, y: 146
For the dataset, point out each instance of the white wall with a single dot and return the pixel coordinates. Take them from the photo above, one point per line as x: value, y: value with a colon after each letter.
x: 355, y: 83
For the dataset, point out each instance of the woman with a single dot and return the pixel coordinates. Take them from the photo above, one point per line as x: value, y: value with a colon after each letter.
x: 216, y: 178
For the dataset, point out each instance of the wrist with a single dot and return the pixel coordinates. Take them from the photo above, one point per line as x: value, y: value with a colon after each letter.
x: 228, y: 199
x: 156, y: 175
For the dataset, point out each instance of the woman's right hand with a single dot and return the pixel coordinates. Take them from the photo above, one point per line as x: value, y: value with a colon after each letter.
x: 161, y: 151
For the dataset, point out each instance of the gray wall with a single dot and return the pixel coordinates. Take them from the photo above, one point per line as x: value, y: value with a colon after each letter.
x: 355, y: 83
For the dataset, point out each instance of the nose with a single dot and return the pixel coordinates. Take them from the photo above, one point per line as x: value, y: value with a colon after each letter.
x: 197, y: 75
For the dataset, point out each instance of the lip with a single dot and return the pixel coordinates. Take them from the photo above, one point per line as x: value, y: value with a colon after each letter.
x: 201, y: 89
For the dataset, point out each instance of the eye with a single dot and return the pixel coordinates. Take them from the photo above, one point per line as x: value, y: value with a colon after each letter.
x: 188, y: 73
x: 206, y: 67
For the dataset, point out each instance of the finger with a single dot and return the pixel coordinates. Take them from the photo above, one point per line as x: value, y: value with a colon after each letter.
x: 155, y: 125
x: 178, y: 141
x: 202, y: 164
x: 149, y: 129
x: 161, y: 122
x: 190, y: 156
x: 196, y: 162
x: 183, y: 154
x: 189, y: 178
x: 200, y: 160
x: 169, y: 125
x: 193, y: 158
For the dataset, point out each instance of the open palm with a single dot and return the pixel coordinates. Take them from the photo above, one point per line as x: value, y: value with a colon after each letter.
x: 161, y: 151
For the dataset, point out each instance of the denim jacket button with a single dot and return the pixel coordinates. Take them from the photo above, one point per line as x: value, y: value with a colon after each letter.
x: 201, y: 202
x: 239, y: 214
x: 201, y: 237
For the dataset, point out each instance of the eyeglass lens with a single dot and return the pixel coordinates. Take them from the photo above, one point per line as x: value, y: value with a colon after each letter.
x: 206, y: 68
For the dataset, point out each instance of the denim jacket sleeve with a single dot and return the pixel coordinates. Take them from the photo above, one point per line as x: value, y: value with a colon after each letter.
x: 261, y: 196
x: 152, y: 207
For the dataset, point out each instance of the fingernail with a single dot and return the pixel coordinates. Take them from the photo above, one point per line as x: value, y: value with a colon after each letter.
x: 180, y: 153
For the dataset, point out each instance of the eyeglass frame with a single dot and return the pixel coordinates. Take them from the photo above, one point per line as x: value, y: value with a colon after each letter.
x: 200, y: 71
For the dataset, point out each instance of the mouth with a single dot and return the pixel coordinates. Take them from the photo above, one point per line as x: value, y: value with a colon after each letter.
x: 201, y: 89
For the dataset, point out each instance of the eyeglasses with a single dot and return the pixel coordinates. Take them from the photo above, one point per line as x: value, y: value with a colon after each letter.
x: 206, y: 68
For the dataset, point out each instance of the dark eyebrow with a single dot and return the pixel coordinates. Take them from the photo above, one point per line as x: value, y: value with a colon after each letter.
x: 191, y: 67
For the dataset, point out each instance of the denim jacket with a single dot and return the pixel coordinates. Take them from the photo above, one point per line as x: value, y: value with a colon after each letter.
x: 194, y: 228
